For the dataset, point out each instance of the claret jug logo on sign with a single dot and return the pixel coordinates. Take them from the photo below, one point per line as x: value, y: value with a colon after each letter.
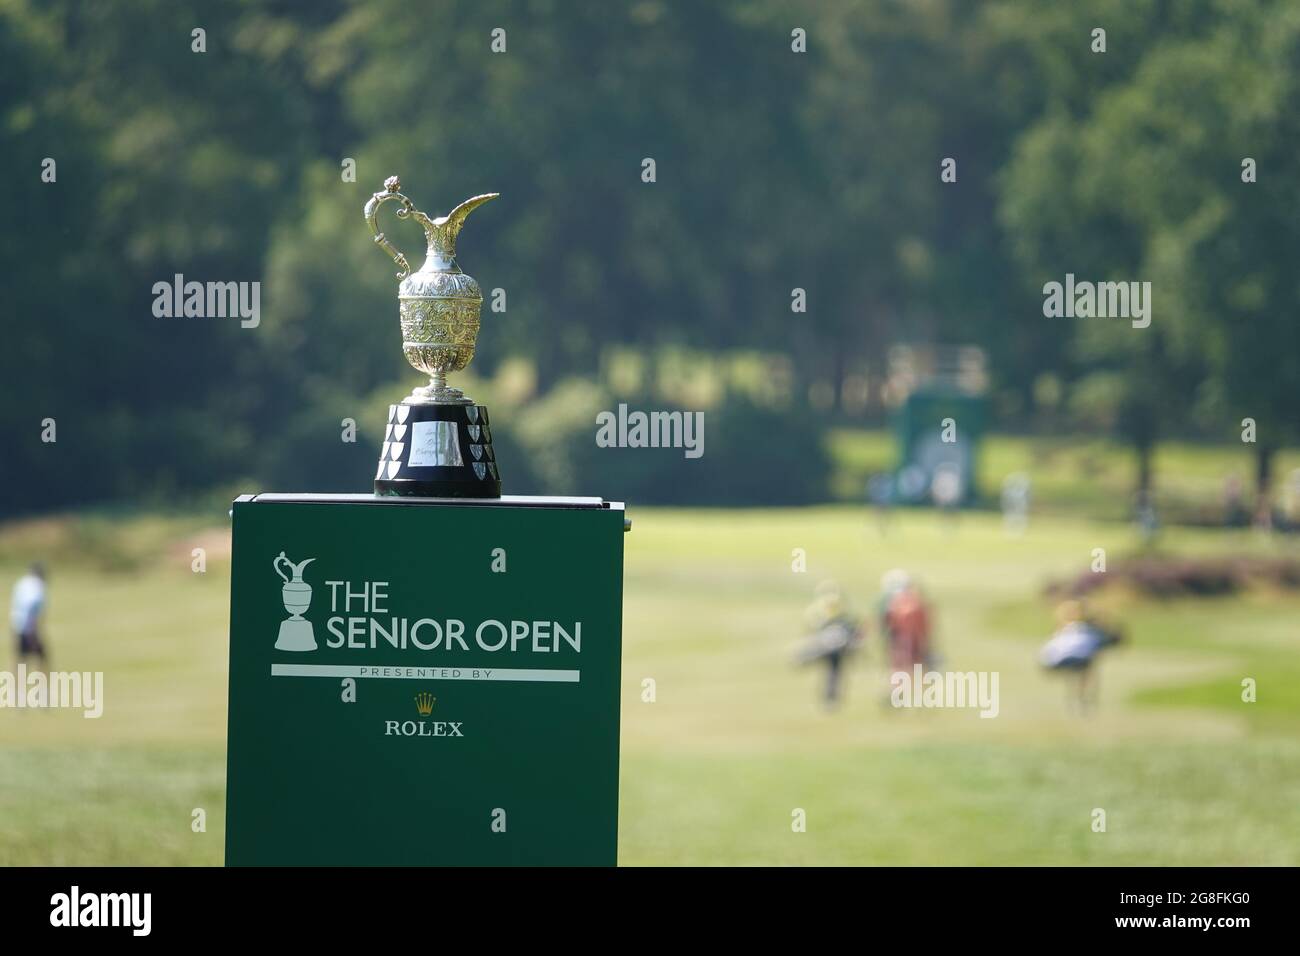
x: 296, y: 633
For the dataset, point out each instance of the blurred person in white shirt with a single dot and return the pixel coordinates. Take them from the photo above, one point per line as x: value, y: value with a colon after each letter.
x: 25, y: 610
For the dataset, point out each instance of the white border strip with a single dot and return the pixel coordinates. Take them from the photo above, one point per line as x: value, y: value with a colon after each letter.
x: 413, y: 672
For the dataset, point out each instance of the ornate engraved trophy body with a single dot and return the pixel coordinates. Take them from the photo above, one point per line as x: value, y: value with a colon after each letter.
x: 438, y: 442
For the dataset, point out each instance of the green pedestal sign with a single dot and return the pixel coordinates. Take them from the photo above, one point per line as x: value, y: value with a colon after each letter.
x: 420, y: 681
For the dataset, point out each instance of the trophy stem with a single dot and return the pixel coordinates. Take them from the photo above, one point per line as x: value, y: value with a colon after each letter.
x: 437, y: 392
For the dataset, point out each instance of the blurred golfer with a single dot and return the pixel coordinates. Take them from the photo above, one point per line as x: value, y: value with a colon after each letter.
x: 833, y: 634
x: 1073, y: 650
x: 25, y: 610
x: 891, y: 583
x: 905, y: 621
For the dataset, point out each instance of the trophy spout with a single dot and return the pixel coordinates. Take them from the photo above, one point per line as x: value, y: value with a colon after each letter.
x: 456, y: 218
x: 441, y: 234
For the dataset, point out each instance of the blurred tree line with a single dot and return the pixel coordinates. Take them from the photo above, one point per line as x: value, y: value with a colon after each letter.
x: 774, y: 170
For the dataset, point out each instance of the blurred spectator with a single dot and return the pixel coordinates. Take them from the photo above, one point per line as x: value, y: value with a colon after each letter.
x: 880, y: 492
x: 947, y: 490
x: 1015, y: 503
x: 1144, y: 513
x: 912, y: 484
x: 25, y: 610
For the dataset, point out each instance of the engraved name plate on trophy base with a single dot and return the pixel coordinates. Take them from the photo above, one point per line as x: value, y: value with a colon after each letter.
x: 438, y: 451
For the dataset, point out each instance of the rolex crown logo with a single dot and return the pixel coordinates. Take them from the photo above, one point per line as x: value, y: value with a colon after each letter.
x: 424, y: 702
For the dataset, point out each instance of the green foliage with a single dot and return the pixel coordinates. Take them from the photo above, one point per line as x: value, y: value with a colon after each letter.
x: 1143, y: 179
x: 759, y: 454
x: 752, y: 453
x: 776, y: 170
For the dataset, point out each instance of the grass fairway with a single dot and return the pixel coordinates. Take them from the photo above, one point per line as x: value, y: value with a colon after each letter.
x: 734, y: 741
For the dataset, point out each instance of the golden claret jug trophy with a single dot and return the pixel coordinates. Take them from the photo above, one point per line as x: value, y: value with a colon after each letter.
x: 438, y: 442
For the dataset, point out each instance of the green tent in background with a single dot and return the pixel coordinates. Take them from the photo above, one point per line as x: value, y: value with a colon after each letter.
x: 938, y: 423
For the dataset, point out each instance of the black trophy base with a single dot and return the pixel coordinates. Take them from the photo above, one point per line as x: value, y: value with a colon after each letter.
x: 438, y: 451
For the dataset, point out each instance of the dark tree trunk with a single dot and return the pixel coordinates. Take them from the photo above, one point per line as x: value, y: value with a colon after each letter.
x: 1263, y: 486
x: 1145, y: 468
x: 837, y: 377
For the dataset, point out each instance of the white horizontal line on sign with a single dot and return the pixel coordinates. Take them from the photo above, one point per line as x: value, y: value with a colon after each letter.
x: 412, y: 672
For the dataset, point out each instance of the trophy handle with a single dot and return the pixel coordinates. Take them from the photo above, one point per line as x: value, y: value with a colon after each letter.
x: 391, y: 186
x: 276, y: 566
